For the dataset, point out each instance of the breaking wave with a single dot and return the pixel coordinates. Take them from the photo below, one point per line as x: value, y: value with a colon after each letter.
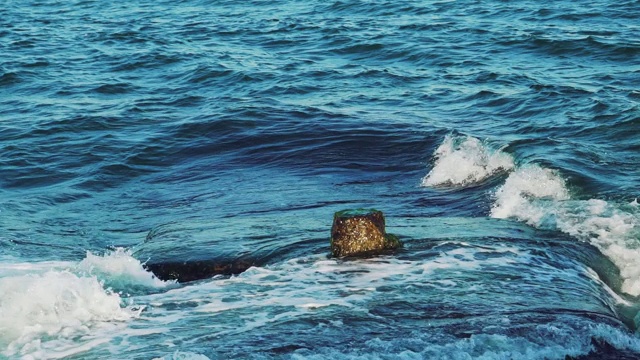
x: 541, y: 198
x: 513, y: 199
x: 46, y: 308
x: 465, y: 160
x: 119, y: 271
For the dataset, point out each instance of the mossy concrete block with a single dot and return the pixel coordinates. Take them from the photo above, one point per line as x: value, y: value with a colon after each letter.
x: 360, y: 232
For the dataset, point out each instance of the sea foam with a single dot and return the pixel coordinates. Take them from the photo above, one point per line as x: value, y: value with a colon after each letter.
x: 465, y: 160
x: 54, y: 304
x: 45, y: 308
x: 513, y: 199
x: 540, y: 197
x: 121, y: 272
x: 613, y: 228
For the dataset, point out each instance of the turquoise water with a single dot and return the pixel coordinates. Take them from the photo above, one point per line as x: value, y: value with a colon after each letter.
x: 500, y: 139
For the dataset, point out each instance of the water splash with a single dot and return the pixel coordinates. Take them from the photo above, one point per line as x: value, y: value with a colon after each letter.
x: 513, y: 199
x: 613, y: 228
x: 540, y: 197
x: 465, y: 160
x: 45, y: 308
x: 56, y: 304
x: 121, y: 272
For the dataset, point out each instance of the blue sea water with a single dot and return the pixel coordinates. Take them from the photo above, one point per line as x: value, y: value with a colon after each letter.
x: 500, y: 138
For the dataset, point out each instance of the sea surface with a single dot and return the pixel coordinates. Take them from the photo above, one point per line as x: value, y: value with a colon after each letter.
x: 501, y: 139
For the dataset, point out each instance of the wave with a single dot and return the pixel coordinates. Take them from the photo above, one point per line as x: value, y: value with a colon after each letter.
x: 465, y: 160
x: 55, y: 309
x: 119, y: 271
x: 542, y: 198
x: 532, y: 181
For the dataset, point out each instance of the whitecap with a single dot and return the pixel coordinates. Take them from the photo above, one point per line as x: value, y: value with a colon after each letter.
x: 120, y: 271
x: 46, y: 307
x: 56, y: 304
x: 465, y: 160
x: 516, y: 197
x: 539, y: 197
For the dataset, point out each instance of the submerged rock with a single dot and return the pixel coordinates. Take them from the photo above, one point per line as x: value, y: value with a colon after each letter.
x: 192, y: 250
x: 360, y: 232
x: 196, y: 249
x: 188, y: 270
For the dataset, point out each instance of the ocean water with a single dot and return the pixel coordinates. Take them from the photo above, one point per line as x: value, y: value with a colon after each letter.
x: 501, y: 140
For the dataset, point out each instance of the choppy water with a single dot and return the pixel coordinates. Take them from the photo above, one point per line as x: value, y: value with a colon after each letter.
x: 501, y: 140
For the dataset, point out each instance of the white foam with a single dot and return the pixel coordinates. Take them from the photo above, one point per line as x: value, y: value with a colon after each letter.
x: 14, y: 267
x: 264, y: 296
x: 37, y: 307
x: 529, y: 194
x: 553, y: 341
x: 614, y: 229
x: 120, y: 271
x: 539, y: 197
x: 45, y: 307
x: 183, y: 355
x: 314, y: 287
x: 465, y: 160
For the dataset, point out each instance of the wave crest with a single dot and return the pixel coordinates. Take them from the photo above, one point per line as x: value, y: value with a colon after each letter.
x: 121, y: 272
x: 515, y: 197
x: 465, y: 160
x: 57, y: 304
x: 46, y: 307
x: 540, y: 198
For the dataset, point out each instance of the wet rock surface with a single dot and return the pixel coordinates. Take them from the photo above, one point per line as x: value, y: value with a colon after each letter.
x: 187, y: 270
x: 360, y: 232
x: 198, y: 249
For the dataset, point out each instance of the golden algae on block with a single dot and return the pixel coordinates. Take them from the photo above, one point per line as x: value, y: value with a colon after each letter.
x: 360, y: 232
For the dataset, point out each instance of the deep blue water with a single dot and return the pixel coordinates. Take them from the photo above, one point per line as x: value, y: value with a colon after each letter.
x: 500, y: 139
